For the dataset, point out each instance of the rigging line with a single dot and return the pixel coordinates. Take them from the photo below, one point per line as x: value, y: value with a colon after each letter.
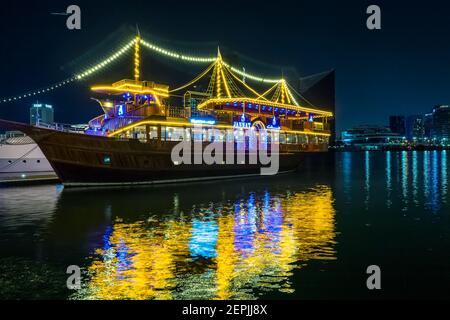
x: 276, y: 94
x: 286, y: 93
x: 212, y: 81
x: 239, y: 91
x: 195, y: 79
x: 301, y: 96
x: 247, y: 86
x: 250, y: 76
x: 179, y: 56
x: 236, y: 90
x: 232, y: 83
x: 225, y: 83
x: 291, y: 96
x: 269, y: 90
x: 182, y: 57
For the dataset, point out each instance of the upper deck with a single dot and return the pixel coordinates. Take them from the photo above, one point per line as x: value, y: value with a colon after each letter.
x: 227, y: 103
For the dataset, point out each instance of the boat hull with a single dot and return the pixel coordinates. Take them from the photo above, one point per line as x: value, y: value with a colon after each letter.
x: 80, y: 159
x: 23, y: 158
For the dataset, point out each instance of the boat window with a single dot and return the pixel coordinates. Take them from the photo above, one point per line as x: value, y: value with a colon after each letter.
x: 290, y: 138
x: 175, y: 133
x: 282, y: 138
x: 107, y: 159
x: 153, y: 131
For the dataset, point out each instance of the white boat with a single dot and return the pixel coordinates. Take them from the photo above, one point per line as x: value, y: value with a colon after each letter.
x: 20, y: 154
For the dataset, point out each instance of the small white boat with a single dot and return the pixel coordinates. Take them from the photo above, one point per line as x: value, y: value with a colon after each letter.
x: 20, y: 154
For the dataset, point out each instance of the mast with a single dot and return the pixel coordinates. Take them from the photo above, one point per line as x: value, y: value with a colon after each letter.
x: 137, y: 57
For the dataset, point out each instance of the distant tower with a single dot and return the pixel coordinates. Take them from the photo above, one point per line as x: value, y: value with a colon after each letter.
x: 41, y: 113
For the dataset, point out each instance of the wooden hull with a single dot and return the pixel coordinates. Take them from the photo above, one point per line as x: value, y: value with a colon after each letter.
x: 79, y: 159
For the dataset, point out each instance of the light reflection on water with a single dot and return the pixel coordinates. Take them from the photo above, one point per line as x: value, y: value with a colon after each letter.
x: 228, y: 251
x: 306, y: 235
x: 416, y: 178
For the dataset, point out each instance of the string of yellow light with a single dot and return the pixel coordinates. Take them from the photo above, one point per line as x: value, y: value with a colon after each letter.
x: 137, y: 41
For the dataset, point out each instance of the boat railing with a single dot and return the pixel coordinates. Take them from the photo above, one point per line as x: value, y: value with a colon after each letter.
x: 174, y: 112
x: 97, y: 121
x: 177, y: 112
x: 64, y: 127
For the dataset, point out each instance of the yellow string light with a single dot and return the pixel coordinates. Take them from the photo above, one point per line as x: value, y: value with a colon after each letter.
x: 136, y: 42
x: 179, y: 56
x: 38, y: 91
x: 106, y: 61
x: 136, y: 57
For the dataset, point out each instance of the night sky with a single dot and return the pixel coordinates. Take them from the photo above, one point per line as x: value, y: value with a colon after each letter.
x: 402, y: 69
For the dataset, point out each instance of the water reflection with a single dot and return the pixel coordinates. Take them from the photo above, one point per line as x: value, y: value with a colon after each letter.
x: 221, y: 250
x: 346, y: 169
x: 388, y: 178
x: 404, y: 173
x: 421, y: 178
x: 367, y: 178
x: 444, y: 177
x: 242, y: 239
x: 414, y: 177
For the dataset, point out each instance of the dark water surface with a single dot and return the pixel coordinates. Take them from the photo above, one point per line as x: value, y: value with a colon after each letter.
x: 306, y: 235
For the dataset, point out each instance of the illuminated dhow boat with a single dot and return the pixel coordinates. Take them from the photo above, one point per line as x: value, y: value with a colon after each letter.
x: 132, y: 141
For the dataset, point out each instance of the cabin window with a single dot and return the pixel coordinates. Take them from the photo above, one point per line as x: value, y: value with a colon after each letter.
x: 139, y: 133
x: 197, y: 134
x: 290, y: 138
x: 215, y: 135
x: 107, y: 159
x: 302, y: 138
x: 282, y: 138
x: 153, y: 131
x: 174, y: 133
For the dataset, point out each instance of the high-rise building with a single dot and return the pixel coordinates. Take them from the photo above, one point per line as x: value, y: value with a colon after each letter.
x: 415, y: 129
x: 397, y: 125
x: 441, y: 123
x: 41, y: 113
x: 428, y: 125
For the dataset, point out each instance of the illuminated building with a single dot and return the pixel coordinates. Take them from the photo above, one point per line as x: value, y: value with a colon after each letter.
x: 415, y: 128
x: 441, y: 123
x: 428, y: 125
x: 371, y: 137
x: 41, y: 113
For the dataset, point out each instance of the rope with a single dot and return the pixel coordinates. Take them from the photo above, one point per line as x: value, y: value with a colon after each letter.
x: 195, y: 79
x: 18, y: 159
